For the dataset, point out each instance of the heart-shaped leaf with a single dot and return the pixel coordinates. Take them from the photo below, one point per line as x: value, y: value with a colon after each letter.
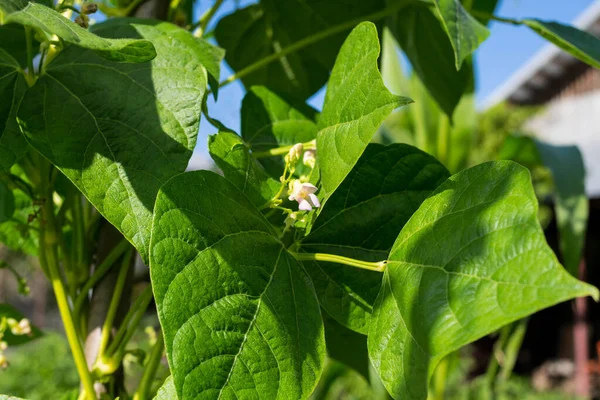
x: 238, y: 312
x: 52, y: 22
x: 579, y: 44
x: 361, y: 220
x: 136, y: 125
x: 356, y: 103
x: 167, y: 390
x: 464, y: 31
x: 472, y: 259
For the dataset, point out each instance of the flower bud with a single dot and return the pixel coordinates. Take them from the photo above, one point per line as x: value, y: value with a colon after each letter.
x: 22, y: 327
x: 309, y: 159
x: 294, y: 154
x: 3, y: 361
x: 3, y: 346
x: 83, y: 21
x: 89, y: 8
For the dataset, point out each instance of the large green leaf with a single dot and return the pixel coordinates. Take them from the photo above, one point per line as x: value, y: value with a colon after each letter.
x: 269, y: 121
x: 211, y: 57
x: 119, y: 131
x: 579, y: 44
x: 231, y: 154
x: 12, y: 87
x: 239, y: 314
x: 346, y: 346
x: 356, y: 103
x: 464, y: 31
x: 431, y: 55
x: 471, y: 259
x: 167, y: 390
x: 52, y: 22
x: 572, y: 208
x: 261, y: 30
x: 361, y: 220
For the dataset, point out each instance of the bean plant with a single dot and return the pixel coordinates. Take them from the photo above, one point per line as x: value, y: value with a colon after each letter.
x: 310, y: 235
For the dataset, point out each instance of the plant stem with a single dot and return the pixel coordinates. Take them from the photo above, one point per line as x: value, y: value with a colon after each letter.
x: 114, y: 304
x: 307, y: 41
x: 493, y: 17
x: 512, y: 348
x: 205, y: 19
x: 278, y: 151
x: 49, y: 257
x: 130, y: 322
x: 30, y: 77
x: 378, y: 266
x: 143, y: 391
x: 100, y: 271
x: 443, y: 140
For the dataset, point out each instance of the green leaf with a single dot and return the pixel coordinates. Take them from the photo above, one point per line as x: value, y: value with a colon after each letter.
x: 52, y: 22
x: 230, y: 153
x: 8, y: 311
x: 431, y: 55
x: 19, y: 234
x: 472, y: 259
x: 356, y: 103
x: 579, y: 44
x: 572, y: 209
x: 464, y: 31
x: 7, y: 203
x: 270, y: 121
x: 361, y: 220
x: 485, y: 7
x: 12, y: 88
x: 136, y: 125
x: 211, y: 57
x: 261, y: 30
x: 167, y: 390
x: 6, y: 397
x: 346, y: 346
x: 238, y: 312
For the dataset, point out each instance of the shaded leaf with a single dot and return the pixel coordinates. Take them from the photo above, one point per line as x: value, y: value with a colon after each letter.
x: 361, y: 220
x: 19, y: 234
x: 269, y: 121
x: 211, y: 57
x: 7, y: 203
x: 346, y: 346
x: 356, y: 103
x: 431, y: 55
x: 491, y: 266
x: 52, y: 22
x: 464, y: 31
x: 579, y: 44
x: 230, y: 153
x: 8, y: 311
x: 261, y: 30
x: 485, y: 7
x: 238, y: 312
x: 136, y: 125
x: 572, y: 209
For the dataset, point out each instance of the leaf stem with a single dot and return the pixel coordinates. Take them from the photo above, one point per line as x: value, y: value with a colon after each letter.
x: 114, y: 303
x: 378, y: 266
x: 307, y: 41
x: 130, y: 322
x: 493, y: 17
x: 206, y: 18
x: 100, y: 271
x: 279, y: 151
x: 49, y: 258
x: 143, y: 391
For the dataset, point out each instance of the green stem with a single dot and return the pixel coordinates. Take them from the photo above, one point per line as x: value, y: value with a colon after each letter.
x: 511, y: 351
x: 443, y: 140
x: 49, y: 257
x: 206, y: 18
x: 484, y: 15
x: 278, y: 151
x: 311, y: 40
x: 30, y: 76
x: 130, y: 322
x: 114, y: 304
x: 143, y: 391
x: 100, y: 271
x: 378, y: 266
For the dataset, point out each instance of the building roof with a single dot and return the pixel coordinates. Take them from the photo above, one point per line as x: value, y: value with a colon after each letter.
x: 543, y: 75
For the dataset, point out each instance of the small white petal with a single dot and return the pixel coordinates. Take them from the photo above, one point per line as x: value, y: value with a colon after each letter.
x: 304, y: 205
x: 314, y: 200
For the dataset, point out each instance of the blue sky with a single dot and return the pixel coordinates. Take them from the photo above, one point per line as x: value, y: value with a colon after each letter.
x: 506, y: 49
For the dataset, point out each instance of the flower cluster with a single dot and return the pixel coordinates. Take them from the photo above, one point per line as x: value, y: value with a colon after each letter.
x: 17, y: 328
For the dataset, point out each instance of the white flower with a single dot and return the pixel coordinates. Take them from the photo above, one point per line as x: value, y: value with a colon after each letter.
x: 309, y: 159
x: 19, y: 328
x: 303, y: 193
x: 294, y: 154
